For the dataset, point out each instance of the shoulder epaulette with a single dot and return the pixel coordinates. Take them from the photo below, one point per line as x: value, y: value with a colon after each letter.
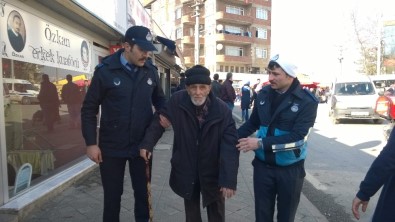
x: 311, y: 95
x: 99, y: 66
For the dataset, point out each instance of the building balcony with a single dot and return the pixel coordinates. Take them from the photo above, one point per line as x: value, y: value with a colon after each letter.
x: 239, y: 39
x: 234, y: 59
x: 188, y: 19
x: 222, y: 16
x: 190, y: 60
x: 242, y: 2
x: 186, y: 1
x: 191, y: 40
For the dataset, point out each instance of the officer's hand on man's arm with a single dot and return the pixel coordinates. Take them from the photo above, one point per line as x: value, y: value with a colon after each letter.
x: 247, y: 144
x: 93, y: 152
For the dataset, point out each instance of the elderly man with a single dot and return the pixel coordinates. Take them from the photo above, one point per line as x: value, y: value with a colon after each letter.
x: 283, y: 113
x: 205, y: 158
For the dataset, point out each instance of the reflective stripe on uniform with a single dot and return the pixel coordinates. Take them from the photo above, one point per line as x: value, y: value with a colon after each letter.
x: 290, y: 146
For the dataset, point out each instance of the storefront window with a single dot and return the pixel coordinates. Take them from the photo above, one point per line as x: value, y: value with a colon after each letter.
x: 38, y: 126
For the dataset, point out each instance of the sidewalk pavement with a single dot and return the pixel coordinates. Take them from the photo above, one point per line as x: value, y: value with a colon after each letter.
x: 83, y: 201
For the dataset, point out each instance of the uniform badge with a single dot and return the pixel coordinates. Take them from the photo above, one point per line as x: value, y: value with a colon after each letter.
x: 295, y: 107
x: 149, y: 36
x: 149, y: 81
x: 262, y: 102
x: 117, y: 81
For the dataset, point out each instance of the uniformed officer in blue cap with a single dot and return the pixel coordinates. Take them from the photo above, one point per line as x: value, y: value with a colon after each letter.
x: 124, y: 87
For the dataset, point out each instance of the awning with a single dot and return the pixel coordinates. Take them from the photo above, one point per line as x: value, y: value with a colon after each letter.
x: 170, y: 44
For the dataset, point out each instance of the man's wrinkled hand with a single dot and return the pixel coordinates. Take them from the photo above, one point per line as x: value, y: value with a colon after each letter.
x: 145, y: 154
x: 227, y: 193
x: 164, y: 122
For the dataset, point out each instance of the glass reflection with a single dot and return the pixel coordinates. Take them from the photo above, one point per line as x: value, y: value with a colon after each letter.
x: 37, y: 120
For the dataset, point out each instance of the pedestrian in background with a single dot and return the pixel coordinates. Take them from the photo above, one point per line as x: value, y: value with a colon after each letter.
x: 125, y: 85
x: 181, y: 86
x: 245, y: 105
x: 380, y: 175
x: 71, y: 95
x: 85, y: 88
x: 283, y: 114
x: 228, y: 94
x: 49, y: 102
x: 205, y: 159
x: 255, y: 89
x: 216, y: 86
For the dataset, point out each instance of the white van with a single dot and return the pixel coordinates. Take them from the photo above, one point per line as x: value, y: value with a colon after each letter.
x: 21, y: 91
x: 353, y: 97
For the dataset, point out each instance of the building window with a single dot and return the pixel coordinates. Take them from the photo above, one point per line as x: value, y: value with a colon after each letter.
x: 261, y: 53
x: 221, y: 68
x: 234, y: 51
x: 178, y: 13
x: 261, y: 13
x: 242, y: 69
x: 261, y: 33
x: 226, y: 68
x: 233, y: 30
x: 178, y: 33
x: 234, y: 10
x: 237, y: 69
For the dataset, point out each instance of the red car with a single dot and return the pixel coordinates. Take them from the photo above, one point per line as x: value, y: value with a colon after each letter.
x: 385, y: 107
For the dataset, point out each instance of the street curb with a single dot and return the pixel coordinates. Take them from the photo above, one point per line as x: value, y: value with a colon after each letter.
x: 18, y: 208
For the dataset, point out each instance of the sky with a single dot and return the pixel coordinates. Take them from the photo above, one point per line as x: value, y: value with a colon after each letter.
x: 314, y: 34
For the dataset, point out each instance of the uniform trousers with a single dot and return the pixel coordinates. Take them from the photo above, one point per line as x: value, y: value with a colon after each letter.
x: 281, y: 183
x: 112, y: 171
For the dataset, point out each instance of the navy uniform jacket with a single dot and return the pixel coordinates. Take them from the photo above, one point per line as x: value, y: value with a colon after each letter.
x: 381, y: 174
x: 126, y: 101
x: 285, y: 132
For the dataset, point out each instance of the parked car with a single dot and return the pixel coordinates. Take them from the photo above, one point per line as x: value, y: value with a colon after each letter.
x: 21, y: 91
x: 353, y: 97
x: 385, y: 107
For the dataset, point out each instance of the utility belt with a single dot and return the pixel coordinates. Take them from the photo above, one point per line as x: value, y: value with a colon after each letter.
x: 273, y: 165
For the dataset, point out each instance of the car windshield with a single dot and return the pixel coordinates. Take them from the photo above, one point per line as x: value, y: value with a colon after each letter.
x: 355, y: 88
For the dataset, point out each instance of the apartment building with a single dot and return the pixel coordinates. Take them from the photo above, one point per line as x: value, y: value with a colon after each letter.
x: 388, y: 47
x: 233, y: 35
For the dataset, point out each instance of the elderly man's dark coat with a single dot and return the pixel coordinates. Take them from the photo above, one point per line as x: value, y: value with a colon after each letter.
x: 205, y: 154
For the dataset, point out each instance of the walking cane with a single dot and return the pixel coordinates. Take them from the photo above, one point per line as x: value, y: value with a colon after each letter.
x: 148, y: 176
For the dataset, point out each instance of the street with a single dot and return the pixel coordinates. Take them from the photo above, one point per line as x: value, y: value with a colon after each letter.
x: 338, y: 158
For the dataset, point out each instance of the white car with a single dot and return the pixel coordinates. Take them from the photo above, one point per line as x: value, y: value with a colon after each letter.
x: 353, y: 97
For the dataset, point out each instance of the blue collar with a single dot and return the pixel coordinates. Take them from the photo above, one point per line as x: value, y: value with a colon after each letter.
x: 127, y: 65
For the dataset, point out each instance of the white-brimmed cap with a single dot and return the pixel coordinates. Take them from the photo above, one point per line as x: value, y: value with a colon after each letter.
x: 287, y: 66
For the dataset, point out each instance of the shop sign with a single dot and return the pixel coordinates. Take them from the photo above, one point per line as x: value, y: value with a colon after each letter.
x: 114, y: 48
x: 28, y: 38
